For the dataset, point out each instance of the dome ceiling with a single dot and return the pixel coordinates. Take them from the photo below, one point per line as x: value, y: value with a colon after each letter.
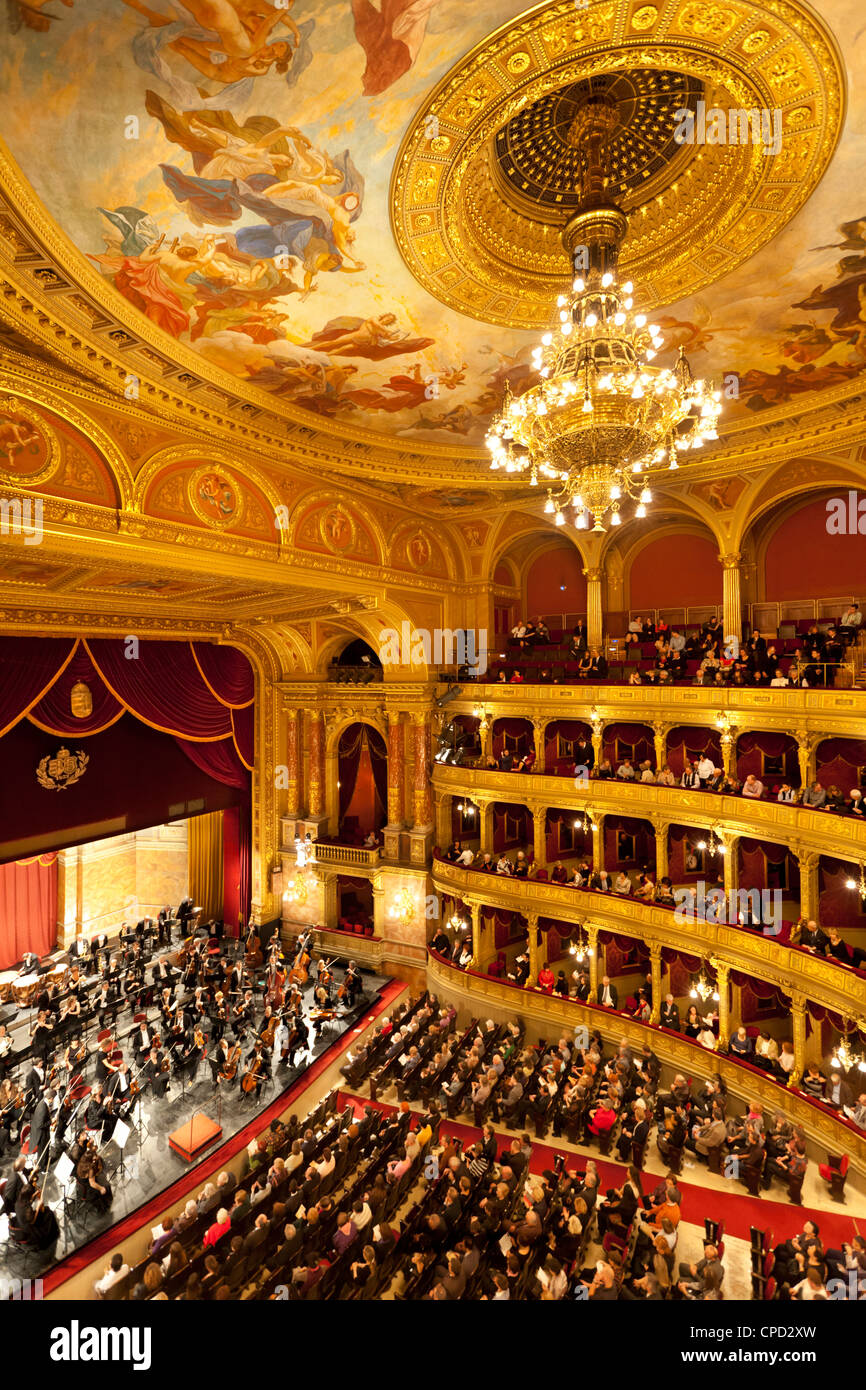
x: 266, y: 184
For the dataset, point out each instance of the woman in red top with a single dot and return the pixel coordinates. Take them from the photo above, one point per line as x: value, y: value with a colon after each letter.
x: 220, y: 1227
x: 546, y: 979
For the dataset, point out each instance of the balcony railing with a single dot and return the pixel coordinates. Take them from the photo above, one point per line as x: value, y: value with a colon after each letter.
x: 792, y: 969
x: 839, y: 836
x: 346, y: 854
x: 824, y: 1126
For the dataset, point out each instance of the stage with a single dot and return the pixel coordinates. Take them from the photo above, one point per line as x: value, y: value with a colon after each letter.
x: 149, y: 1165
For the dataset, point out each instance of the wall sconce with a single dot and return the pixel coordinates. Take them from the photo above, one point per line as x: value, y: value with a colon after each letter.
x: 860, y: 887
x: 403, y: 907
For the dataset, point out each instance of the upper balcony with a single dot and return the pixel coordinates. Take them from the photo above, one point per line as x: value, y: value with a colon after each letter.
x: 790, y: 968
x: 821, y: 832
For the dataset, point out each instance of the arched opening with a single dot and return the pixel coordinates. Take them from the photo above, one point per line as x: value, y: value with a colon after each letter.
x: 362, y: 782
x: 357, y: 664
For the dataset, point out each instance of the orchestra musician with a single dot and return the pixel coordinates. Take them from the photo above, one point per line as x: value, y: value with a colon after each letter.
x: 6, y: 1060
x: 156, y: 1072
x: 142, y: 1041
x: 351, y: 985
x: 106, y: 997
x: 93, y: 1185
x: 299, y: 1038
x: 40, y: 1123
x: 258, y: 1067
x: 29, y: 963
x: 164, y: 920
x: 11, y: 1105
x: 80, y: 949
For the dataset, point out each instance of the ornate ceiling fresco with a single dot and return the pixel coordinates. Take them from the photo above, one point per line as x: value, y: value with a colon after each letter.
x: 355, y: 206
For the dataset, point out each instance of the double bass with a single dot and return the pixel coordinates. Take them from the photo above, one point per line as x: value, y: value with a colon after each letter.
x: 229, y: 1070
x: 299, y: 974
x: 254, y: 956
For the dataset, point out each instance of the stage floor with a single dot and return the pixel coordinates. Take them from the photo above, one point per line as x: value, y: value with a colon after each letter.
x: 149, y: 1166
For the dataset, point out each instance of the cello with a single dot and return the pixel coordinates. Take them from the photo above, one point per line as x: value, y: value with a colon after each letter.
x: 253, y: 950
x: 299, y: 974
x: 252, y: 1076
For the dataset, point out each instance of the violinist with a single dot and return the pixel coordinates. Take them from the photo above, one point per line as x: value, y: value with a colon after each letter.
x: 73, y: 1057
x: 156, y: 1072
x: 218, y: 1016
x: 40, y: 1123
x: 281, y: 1042
x: 299, y: 1038
x: 119, y: 1086
x: 36, y: 1221
x: 242, y: 1014
x: 104, y: 1000
x: 11, y: 1104
x: 94, y: 1117
x: 142, y: 1041
x: 17, y: 1181
x: 224, y: 1063
x: 351, y: 985
x: 93, y: 1185
x: 163, y: 974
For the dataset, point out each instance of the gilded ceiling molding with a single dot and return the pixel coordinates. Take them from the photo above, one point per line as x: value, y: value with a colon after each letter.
x: 475, y: 248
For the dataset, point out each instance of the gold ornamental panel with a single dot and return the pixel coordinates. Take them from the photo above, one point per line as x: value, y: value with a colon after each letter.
x: 484, y: 180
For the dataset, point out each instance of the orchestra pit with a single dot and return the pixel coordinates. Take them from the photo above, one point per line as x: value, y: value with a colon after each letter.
x: 432, y: 656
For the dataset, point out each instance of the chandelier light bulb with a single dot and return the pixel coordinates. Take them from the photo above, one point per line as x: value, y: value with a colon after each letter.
x: 561, y: 300
x: 578, y: 285
x: 591, y: 320
x: 640, y: 511
x: 628, y: 302
x: 559, y: 519
x: 616, y: 492
x: 646, y: 496
x: 587, y: 405
x: 548, y: 506
x: 606, y: 279
x: 547, y: 339
x: 580, y: 521
x: 628, y: 287
x: 640, y: 320
x: 615, y: 519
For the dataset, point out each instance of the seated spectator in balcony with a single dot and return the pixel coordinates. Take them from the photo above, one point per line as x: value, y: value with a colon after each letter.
x: 485, y: 864
x: 786, y: 794
x: 665, y: 892
x: 625, y: 772
x: 464, y: 960
x: 645, y: 889
x: 809, y: 935
x: 636, y: 678
x: 669, y: 1016
x: 542, y: 632
x: 546, y: 979
x: 577, y: 647
x: 752, y: 787
x: 521, y: 865
x: 642, y: 1010
x: 600, y: 881
x: 690, y: 778
x: 837, y: 1092
x: 646, y: 772
x: 580, y: 979
x: 813, y: 1081
x: 840, y: 950
x: 598, y: 668
x: 453, y: 852
x: 605, y: 772
x: 705, y: 768
x: 716, y: 782
x: 561, y: 986
x: 506, y: 760
x: 518, y: 632
x: 856, y: 804
x: 857, y: 1112
x: 559, y: 873
x: 516, y: 677
x: 730, y: 787
x: 766, y: 1053
x: 834, y: 650
x: 786, y: 1060
x: 527, y: 762
x: 706, y: 1037
x: 814, y: 796
x: 439, y: 942
x: 741, y: 1043
x: 665, y: 778
x: 465, y: 858
x: 693, y: 1023
x: 836, y: 801
x: 545, y: 677
x: 622, y: 884
x: 635, y: 632
x: 526, y: 641
x: 606, y: 994
x: 503, y: 865
x: 502, y: 678
x: 780, y: 680
x: 584, y: 666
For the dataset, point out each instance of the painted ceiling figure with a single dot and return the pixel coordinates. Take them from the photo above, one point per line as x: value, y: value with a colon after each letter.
x: 31, y: 14
x: 228, y: 41
x: 390, y: 37
x: 374, y: 338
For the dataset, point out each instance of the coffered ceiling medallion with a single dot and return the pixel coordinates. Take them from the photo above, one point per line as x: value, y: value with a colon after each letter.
x: 485, y: 178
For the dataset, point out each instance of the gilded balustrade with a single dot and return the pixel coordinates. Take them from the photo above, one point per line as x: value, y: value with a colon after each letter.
x: 840, y: 837
x: 791, y: 970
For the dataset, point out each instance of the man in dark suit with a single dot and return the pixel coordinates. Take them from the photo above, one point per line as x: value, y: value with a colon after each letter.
x: 257, y: 1236
x: 837, y: 1092
x: 40, y: 1124
x: 670, y: 1014
x: 606, y: 993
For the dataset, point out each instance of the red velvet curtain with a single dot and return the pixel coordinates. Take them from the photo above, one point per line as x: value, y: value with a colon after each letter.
x: 28, y: 907
x: 636, y: 737
x: 685, y: 742
x: 362, y: 762
x: 838, y: 761
x: 751, y: 747
x: 513, y: 734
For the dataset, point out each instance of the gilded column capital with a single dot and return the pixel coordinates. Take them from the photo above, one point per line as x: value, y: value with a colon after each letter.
x: 731, y: 560
x: 532, y: 920
x: 593, y: 575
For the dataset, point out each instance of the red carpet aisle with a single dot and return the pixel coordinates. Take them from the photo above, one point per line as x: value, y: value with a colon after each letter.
x: 195, y: 1179
x: 738, y: 1212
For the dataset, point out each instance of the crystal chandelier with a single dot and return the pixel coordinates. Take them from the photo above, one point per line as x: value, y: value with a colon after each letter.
x: 602, y: 420
x: 845, y: 1057
x: 702, y: 988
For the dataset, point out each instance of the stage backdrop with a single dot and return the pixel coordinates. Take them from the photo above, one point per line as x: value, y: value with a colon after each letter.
x: 158, y: 731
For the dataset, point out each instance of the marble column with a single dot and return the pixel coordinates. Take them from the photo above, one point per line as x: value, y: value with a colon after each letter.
x: 396, y: 770
x: 798, y: 1037
x: 592, y: 936
x: 807, y: 861
x: 532, y: 931
x: 722, y: 984
x: 656, y: 972
x: 422, y: 798
x: 294, y: 777
x: 317, y: 763
x: 661, y: 827
x: 539, y: 837
x: 594, y: 615
x: 732, y: 604
x: 597, y: 842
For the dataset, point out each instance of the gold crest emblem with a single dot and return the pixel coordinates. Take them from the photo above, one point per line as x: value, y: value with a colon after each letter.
x: 81, y: 700
x: 61, y: 770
